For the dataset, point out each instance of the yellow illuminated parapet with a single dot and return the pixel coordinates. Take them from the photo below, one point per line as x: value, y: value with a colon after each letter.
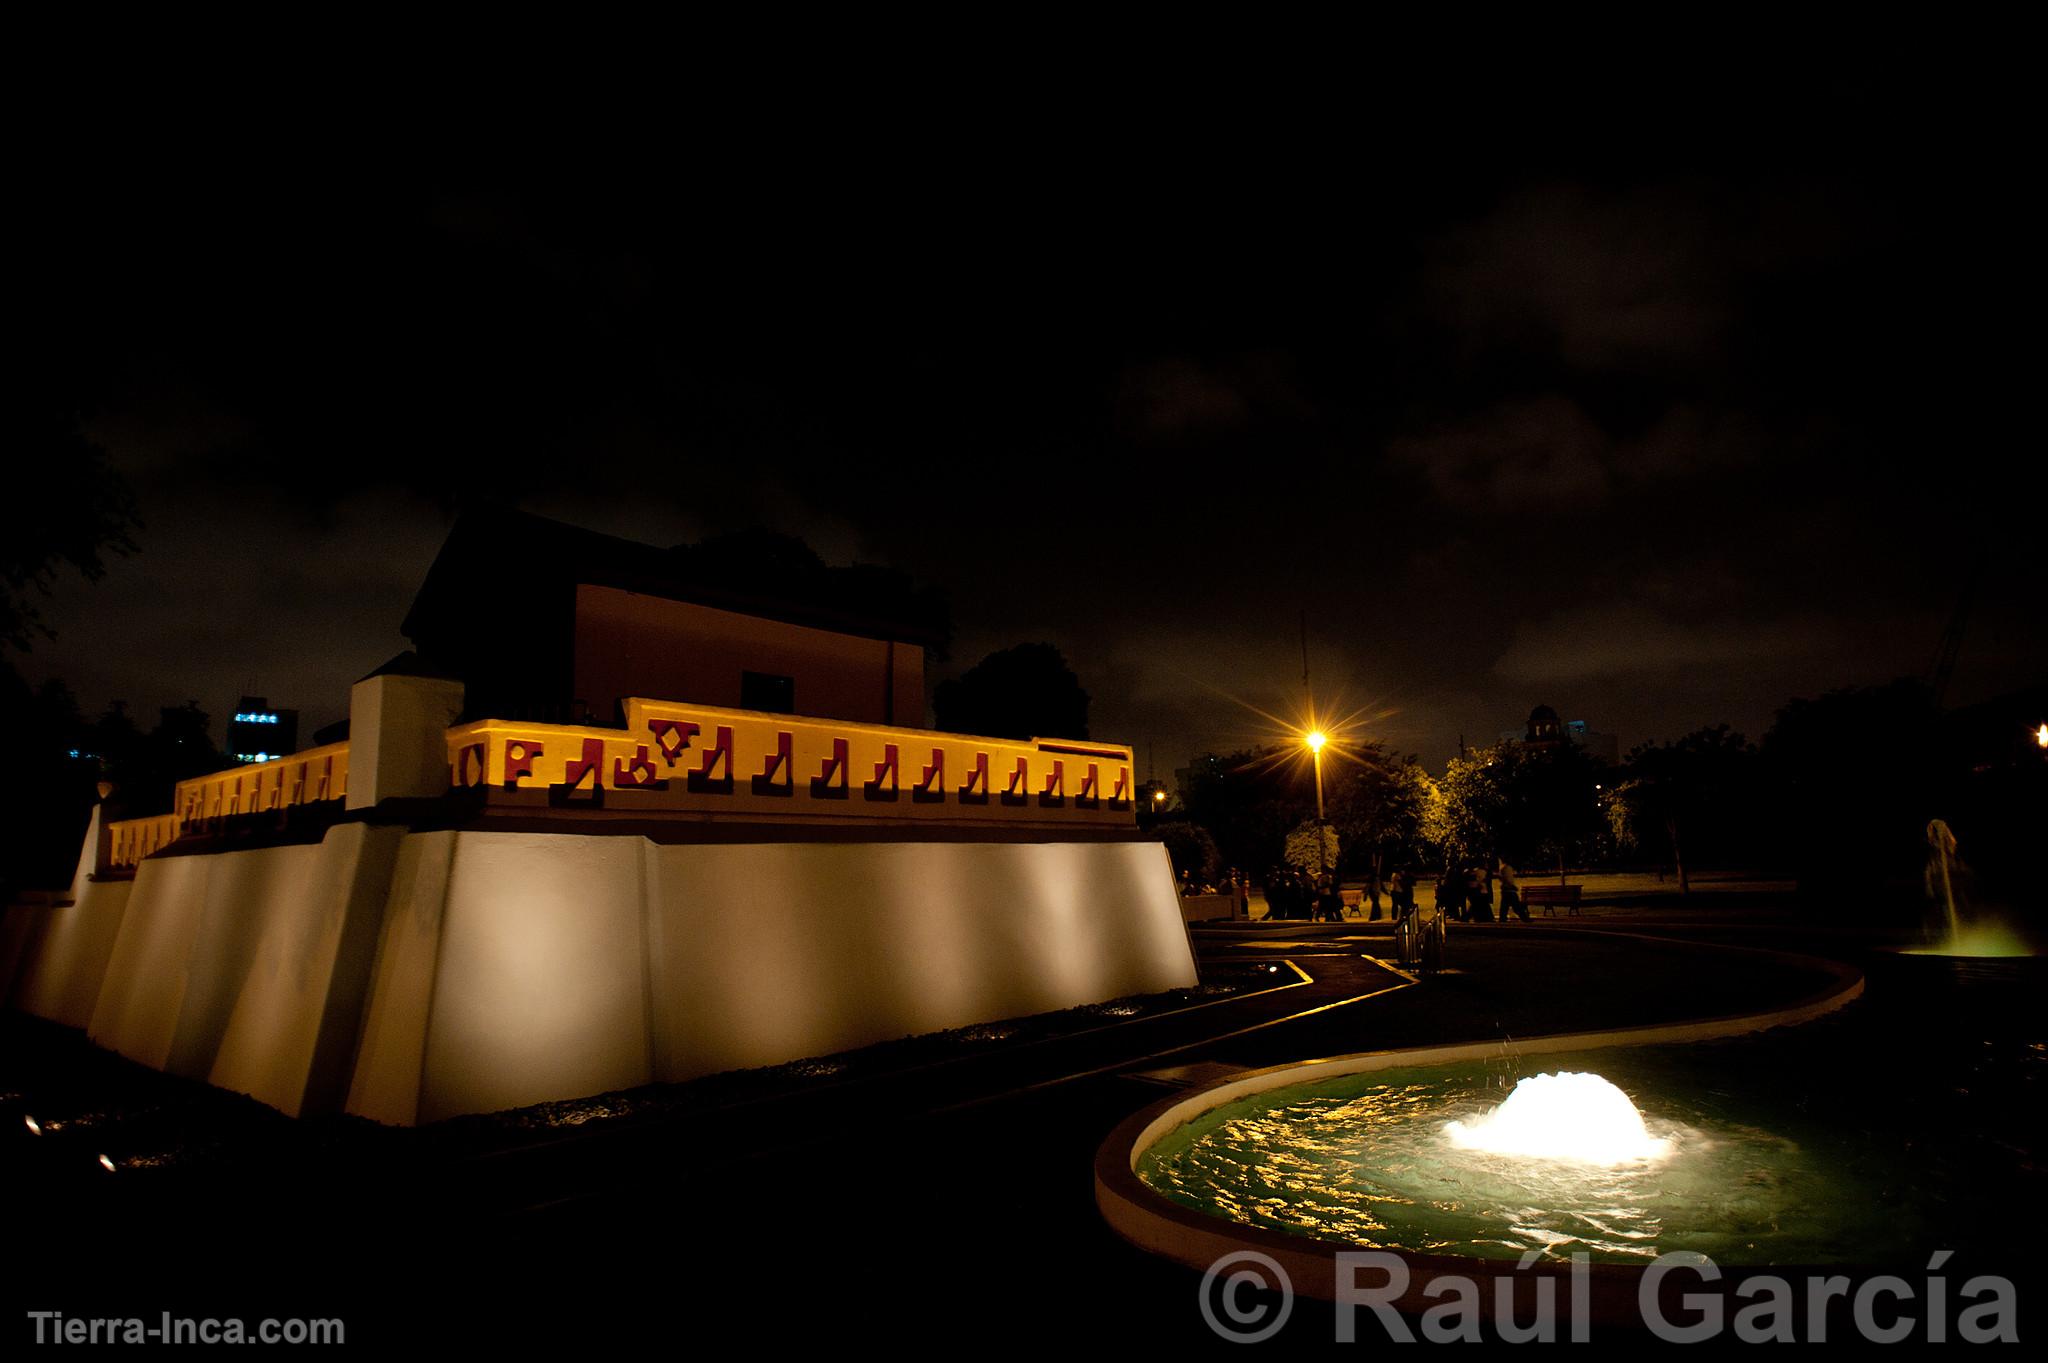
x: 744, y: 763
x: 307, y: 778
x: 130, y: 840
x: 707, y: 762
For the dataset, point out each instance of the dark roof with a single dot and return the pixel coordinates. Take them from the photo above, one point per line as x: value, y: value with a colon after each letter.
x: 408, y: 664
x: 755, y: 573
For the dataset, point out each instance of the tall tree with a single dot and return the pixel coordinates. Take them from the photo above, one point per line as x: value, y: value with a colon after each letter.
x: 1526, y: 804
x: 70, y: 510
x: 1688, y: 791
x: 47, y: 797
x: 1248, y: 801
x: 1379, y: 804
x: 1313, y: 848
x: 1023, y: 692
x: 67, y: 511
x: 1854, y: 777
x: 1192, y: 851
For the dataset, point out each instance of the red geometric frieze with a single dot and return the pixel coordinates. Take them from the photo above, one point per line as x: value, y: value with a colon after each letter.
x: 1019, y: 790
x: 778, y: 776
x: 975, y: 792
x: 672, y: 736
x: 830, y: 782
x: 638, y: 774
x: 1055, y: 792
x: 931, y: 788
x: 719, y: 754
x: 520, y: 754
x: 590, y: 764
x: 883, y: 787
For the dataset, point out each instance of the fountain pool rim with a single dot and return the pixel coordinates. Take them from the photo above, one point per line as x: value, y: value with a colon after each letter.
x: 2016, y: 960
x: 1196, y: 1240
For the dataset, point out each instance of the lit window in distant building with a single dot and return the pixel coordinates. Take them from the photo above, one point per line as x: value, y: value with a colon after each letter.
x: 258, y: 733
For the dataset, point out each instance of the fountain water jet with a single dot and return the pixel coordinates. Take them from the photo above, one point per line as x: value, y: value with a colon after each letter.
x: 1579, y: 1117
x: 1941, y: 875
x: 1944, y: 870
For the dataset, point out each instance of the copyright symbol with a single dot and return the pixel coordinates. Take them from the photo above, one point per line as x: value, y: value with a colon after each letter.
x: 1233, y: 1288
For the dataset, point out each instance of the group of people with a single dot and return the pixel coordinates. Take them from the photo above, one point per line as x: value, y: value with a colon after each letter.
x: 1294, y: 893
x: 1237, y: 885
x: 1465, y: 893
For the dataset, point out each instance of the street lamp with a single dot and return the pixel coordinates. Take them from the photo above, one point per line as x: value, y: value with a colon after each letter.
x: 1315, y: 739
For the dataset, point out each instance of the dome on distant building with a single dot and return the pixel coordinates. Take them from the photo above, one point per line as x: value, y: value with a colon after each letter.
x: 1544, y: 724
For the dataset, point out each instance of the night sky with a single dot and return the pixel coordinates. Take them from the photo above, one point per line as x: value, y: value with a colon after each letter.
x: 1659, y: 400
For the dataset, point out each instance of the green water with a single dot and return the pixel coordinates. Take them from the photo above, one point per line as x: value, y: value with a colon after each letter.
x: 1364, y: 1160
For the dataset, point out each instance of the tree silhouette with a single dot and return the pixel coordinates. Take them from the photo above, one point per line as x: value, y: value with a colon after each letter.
x: 1855, y: 775
x: 1690, y: 791
x: 1248, y: 801
x: 1192, y: 850
x: 68, y: 509
x: 1526, y: 804
x: 1378, y: 804
x: 1023, y: 692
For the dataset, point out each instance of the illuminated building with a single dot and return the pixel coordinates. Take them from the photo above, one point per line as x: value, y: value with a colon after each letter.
x: 257, y: 733
x: 460, y: 908
x: 1545, y: 730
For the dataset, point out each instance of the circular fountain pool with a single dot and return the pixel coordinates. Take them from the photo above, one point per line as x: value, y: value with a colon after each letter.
x: 1878, y: 1140
x: 1478, y: 1160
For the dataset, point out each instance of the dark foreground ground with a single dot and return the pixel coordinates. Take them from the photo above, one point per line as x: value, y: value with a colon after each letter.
x: 936, y: 1195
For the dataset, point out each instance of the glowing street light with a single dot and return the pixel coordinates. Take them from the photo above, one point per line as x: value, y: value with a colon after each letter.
x: 2041, y: 735
x: 1315, y: 739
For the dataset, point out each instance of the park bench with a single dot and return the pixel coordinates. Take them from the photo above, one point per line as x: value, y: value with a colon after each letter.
x: 1550, y: 896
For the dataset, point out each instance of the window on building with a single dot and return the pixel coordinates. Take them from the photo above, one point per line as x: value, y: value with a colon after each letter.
x: 767, y: 692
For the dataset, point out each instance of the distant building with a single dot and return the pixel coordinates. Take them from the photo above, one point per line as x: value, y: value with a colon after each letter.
x: 1545, y: 729
x: 257, y: 733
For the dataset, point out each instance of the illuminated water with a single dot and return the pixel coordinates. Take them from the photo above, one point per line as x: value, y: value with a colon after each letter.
x: 1971, y: 934
x: 1368, y: 1160
x: 1986, y: 939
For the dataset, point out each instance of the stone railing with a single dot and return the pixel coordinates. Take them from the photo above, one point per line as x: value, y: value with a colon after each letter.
x: 311, y: 777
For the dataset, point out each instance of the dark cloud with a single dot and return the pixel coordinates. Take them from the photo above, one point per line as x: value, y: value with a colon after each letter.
x: 1608, y: 280
x: 1614, y: 393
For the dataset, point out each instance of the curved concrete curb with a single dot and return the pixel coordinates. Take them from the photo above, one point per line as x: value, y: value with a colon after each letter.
x: 1197, y: 1240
